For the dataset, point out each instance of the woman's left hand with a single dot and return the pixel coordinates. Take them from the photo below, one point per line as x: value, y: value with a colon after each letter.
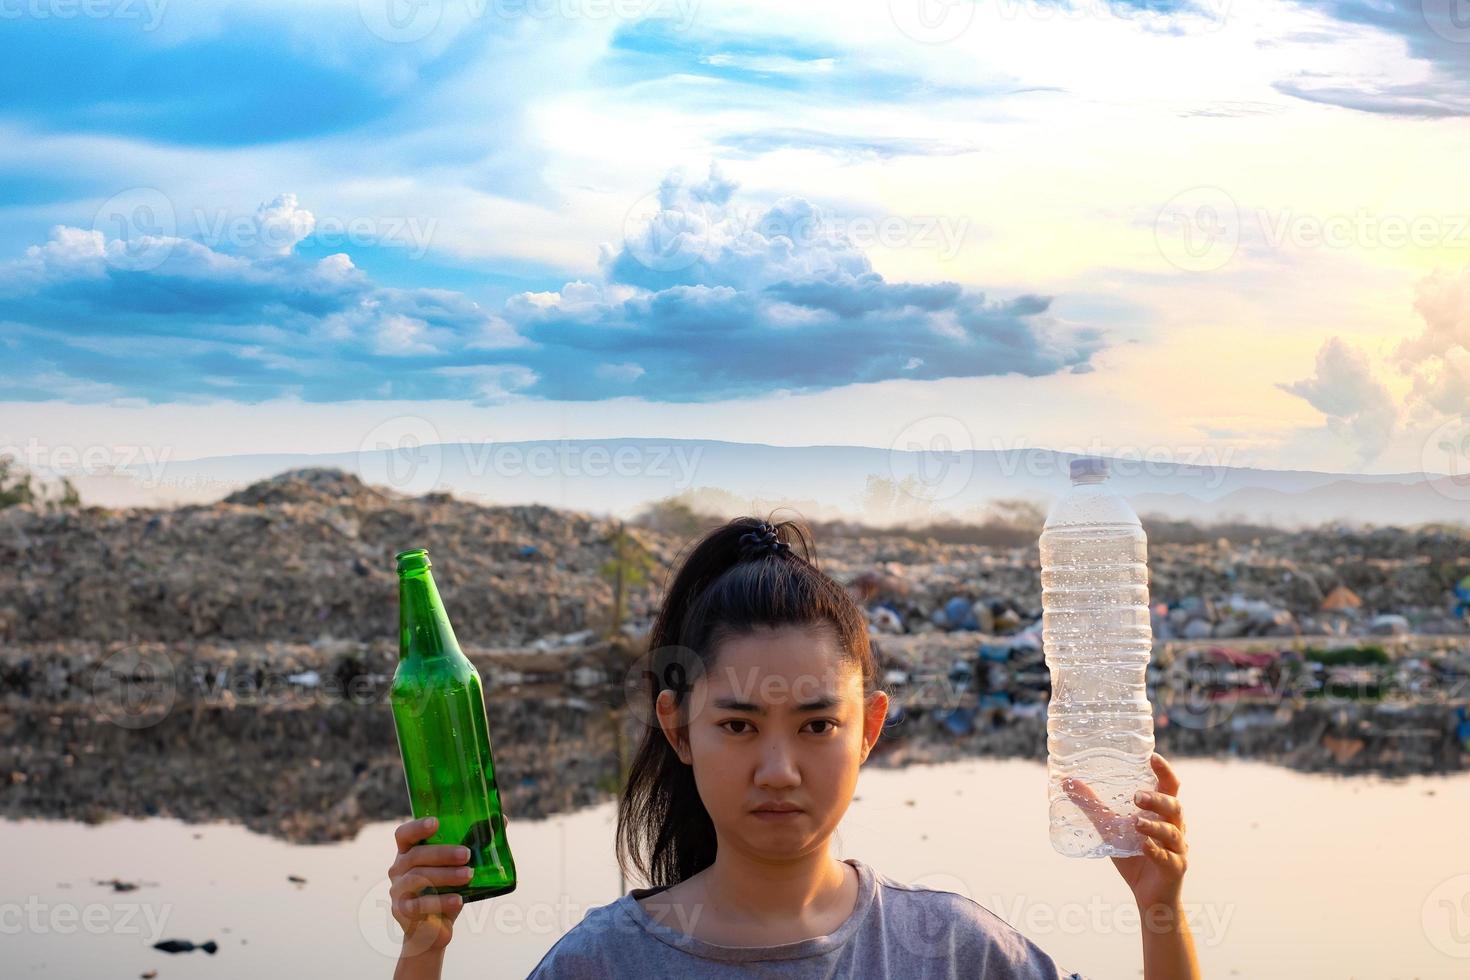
x: 1156, y: 875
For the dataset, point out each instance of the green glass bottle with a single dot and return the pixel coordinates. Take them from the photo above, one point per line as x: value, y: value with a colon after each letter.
x: 444, y: 736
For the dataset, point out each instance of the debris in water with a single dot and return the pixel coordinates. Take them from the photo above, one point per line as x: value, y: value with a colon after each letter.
x: 118, y: 885
x: 184, y: 946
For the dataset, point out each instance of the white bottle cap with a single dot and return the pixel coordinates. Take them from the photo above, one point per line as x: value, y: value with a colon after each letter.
x: 1086, y: 466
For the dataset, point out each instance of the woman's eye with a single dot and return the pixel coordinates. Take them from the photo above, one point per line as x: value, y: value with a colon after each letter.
x: 736, y: 721
x: 822, y: 721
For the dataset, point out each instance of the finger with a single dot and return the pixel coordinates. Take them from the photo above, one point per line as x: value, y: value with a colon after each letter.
x: 426, y: 905
x: 1109, y: 824
x: 1168, y: 778
x: 415, y: 881
x: 426, y: 855
x: 1167, y: 807
x: 1087, y: 800
x: 1167, y: 835
x: 409, y: 834
x: 1154, y: 851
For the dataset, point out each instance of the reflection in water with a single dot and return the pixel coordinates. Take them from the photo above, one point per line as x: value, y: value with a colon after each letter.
x: 1352, y: 711
x: 308, y: 774
x: 319, y: 770
x: 977, y: 827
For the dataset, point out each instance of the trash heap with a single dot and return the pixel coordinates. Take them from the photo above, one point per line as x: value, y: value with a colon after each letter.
x: 1326, y: 582
x: 307, y: 556
x: 300, y: 557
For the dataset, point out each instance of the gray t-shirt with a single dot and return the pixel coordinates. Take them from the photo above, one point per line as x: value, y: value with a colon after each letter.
x: 895, y: 931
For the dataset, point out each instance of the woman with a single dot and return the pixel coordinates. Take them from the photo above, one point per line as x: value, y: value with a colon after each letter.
x: 766, y: 705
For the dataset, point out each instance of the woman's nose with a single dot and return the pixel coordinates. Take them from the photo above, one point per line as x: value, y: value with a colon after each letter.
x: 777, y: 765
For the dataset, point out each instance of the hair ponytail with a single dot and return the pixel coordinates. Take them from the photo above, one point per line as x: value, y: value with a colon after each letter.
x: 742, y: 575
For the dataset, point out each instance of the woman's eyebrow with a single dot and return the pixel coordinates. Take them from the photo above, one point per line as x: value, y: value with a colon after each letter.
x: 824, y: 703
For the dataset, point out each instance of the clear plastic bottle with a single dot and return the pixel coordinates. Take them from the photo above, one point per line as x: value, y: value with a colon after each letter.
x: 1097, y: 641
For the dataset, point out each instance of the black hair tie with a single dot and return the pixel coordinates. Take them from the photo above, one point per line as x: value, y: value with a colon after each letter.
x: 762, y: 541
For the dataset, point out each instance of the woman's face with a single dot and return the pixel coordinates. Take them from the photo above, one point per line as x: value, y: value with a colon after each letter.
x: 779, y: 718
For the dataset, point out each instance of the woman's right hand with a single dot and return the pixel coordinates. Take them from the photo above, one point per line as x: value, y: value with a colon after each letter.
x: 427, y: 920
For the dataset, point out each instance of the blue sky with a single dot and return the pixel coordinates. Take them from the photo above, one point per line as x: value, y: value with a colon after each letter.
x: 1224, y: 223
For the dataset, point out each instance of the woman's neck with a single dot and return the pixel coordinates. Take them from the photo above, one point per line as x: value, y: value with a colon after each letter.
x: 814, y: 889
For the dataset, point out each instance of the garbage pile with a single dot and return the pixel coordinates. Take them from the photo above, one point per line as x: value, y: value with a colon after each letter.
x: 303, y: 556
x: 1325, y: 582
x: 308, y: 555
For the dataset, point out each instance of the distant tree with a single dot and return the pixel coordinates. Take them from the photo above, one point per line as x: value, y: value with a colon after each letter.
x: 1022, y: 515
x: 672, y: 516
x: 888, y: 501
x: 628, y: 568
x: 19, y: 486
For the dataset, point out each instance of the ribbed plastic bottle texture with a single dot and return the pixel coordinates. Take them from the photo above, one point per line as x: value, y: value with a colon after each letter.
x: 1097, y: 641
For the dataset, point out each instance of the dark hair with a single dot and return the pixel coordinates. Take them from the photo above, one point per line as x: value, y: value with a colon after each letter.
x: 741, y: 576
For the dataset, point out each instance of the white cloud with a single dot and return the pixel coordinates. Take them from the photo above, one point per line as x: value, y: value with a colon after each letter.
x: 1444, y: 382
x: 1443, y: 300
x: 1358, y: 406
x: 402, y: 335
x: 626, y: 371
x: 278, y: 227
x: 492, y: 383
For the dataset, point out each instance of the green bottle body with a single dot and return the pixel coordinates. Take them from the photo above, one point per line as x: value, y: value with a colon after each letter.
x: 444, y: 735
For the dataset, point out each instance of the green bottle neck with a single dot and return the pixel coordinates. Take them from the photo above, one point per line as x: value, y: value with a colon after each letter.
x: 423, y: 625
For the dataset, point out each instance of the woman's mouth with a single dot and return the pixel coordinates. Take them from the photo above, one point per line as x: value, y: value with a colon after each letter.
x: 778, y: 812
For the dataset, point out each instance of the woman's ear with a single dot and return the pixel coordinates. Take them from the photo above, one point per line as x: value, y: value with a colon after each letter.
x: 667, y: 710
x: 875, y: 712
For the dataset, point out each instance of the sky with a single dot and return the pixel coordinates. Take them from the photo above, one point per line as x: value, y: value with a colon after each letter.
x: 1230, y: 230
